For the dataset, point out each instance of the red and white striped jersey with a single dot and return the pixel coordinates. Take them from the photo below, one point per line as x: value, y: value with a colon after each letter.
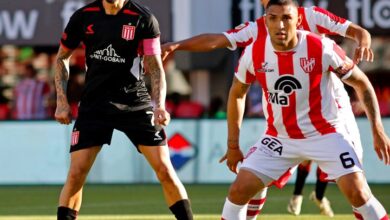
x: 30, y: 98
x: 314, y: 19
x: 298, y: 87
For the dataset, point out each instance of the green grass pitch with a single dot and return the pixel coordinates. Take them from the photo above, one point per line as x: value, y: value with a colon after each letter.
x: 146, y: 202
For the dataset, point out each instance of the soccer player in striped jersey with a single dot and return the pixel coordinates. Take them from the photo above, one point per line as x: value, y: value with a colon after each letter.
x: 304, y: 121
x: 313, y: 19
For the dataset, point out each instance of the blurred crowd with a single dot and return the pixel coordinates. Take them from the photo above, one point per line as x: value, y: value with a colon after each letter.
x: 27, y: 86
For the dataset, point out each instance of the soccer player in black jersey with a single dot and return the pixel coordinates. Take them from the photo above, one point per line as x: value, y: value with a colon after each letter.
x: 120, y: 36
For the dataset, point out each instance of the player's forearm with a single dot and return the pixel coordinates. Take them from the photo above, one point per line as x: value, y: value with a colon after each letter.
x: 158, y: 82
x: 360, y: 35
x: 203, y: 43
x: 366, y: 95
x: 235, y: 114
x: 61, y: 77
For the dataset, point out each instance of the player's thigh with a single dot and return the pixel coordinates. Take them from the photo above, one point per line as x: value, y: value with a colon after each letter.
x: 83, y: 159
x: 271, y: 158
x: 336, y: 155
x: 90, y: 130
x: 157, y: 156
x: 139, y: 128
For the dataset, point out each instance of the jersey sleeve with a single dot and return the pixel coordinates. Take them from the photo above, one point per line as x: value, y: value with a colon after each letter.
x: 73, y: 33
x: 244, y: 70
x: 337, y: 61
x: 150, y: 27
x: 242, y: 35
x: 326, y: 22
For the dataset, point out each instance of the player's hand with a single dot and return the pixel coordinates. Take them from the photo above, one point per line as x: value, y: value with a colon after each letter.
x: 382, y: 147
x: 161, y: 117
x: 63, y: 113
x: 233, y: 156
x: 363, y: 53
x: 166, y: 49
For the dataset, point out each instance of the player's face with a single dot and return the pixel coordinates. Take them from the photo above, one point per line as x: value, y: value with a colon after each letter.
x: 281, y: 22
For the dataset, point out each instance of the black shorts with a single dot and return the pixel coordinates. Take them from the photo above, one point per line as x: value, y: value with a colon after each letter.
x: 96, y: 129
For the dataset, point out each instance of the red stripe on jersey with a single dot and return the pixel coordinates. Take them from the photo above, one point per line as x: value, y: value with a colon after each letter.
x: 91, y: 9
x: 129, y: 12
x: 332, y: 16
x: 323, y: 30
x: 340, y: 52
x: 245, y: 43
x: 303, y: 25
x: 358, y: 216
x: 289, y: 113
x: 258, y: 54
x: 385, y: 217
x: 314, y: 50
x: 238, y: 28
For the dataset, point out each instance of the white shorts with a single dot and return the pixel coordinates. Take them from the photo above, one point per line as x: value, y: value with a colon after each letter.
x: 273, y: 157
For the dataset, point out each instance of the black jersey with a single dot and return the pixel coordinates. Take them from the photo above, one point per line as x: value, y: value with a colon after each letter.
x: 113, y: 46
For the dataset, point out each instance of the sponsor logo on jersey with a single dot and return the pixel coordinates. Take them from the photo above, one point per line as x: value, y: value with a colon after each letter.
x: 75, y: 138
x: 272, y: 146
x: 108, y: 54
x: 128, y: 32
x: 284, y: 86
x: 265, y: 69
x: 307, y: 64
x: 181, y: 150
x: 89, y: 29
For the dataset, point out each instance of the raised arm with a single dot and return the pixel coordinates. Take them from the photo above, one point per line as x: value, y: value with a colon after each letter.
x: 63, y: 112
x: 366, y: 94
x: 363, y: 38
x: 199, y: 43
x: 235, y: 114
x: 159, y: 88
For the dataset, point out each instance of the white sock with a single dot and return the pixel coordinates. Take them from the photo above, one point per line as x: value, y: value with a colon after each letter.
x: 233, y: 212
x: 372, y: 210
x: 256, y: 204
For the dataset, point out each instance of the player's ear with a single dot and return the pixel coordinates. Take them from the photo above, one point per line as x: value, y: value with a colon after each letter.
x: 300, y: 18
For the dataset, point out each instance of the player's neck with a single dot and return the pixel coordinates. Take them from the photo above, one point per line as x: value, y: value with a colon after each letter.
x: 114, y: 8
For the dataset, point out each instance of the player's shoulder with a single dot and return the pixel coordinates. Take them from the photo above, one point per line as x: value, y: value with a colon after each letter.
x: 92, y: 7
x: 140, y: 9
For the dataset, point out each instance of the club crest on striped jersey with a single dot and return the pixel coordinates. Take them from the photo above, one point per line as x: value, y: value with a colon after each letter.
x: 128, y: 32
x: 307, y: 64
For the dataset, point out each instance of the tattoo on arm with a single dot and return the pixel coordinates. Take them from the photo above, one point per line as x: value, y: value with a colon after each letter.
x: 62, y: 75
x: 158, y: 82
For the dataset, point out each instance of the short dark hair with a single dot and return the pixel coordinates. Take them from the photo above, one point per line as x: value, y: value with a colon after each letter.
x: 281, y: 2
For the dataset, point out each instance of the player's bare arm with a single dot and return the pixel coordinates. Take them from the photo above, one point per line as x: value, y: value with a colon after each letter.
x: 159, y: 88
x: 63, y: 112
x: 199, y: 43
x: 366, y: 94
x: 363, y: 39
x: 235, y: 114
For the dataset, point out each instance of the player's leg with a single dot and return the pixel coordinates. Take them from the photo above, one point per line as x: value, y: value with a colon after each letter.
x: 71, y: 194
x: 317, y: 196
x: 256, y: 204
x: 295, y: 203
x: 354, y: 186
x: 245, y: 186
x: 174, y: 191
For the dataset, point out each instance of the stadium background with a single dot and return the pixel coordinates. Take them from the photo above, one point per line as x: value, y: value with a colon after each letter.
x: 34, y: 152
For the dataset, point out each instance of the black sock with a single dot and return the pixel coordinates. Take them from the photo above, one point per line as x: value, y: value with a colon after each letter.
x: 320, y: 186
x: 182, y: 210
x: 65, y: 213
x: 301, y: 179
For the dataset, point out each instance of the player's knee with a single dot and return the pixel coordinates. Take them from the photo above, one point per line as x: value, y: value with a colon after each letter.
x: 359, y: 196
x: 77, y: 174
x: 237, y: 192
x: 164, y: 174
